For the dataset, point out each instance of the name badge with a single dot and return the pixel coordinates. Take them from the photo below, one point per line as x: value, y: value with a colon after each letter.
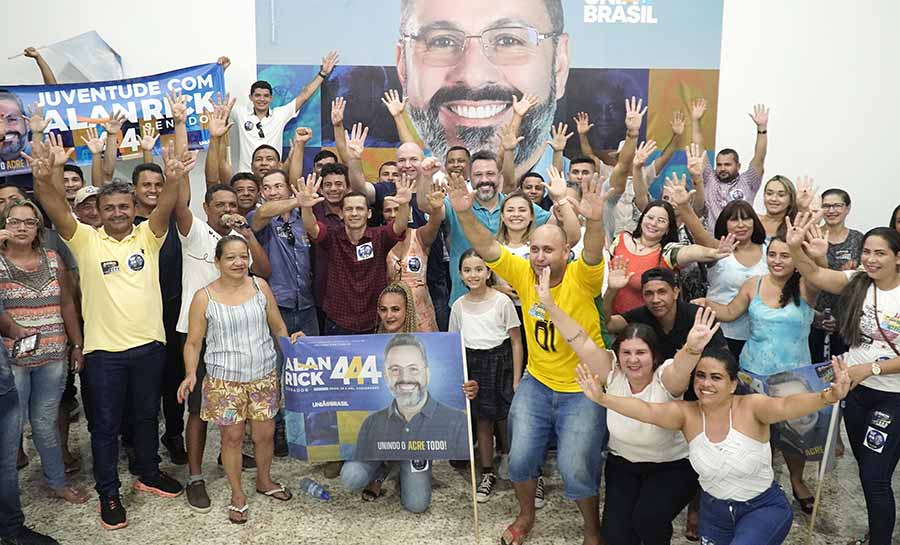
x: 109, y: 267
x: 538, y: 311
x: 365, y: 251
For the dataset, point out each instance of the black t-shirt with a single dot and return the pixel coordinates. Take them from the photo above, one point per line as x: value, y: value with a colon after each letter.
x: 671, y: 342
x: 169, y: 260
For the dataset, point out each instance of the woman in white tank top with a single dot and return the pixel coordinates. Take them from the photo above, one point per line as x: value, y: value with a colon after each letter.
x: 728, y: 438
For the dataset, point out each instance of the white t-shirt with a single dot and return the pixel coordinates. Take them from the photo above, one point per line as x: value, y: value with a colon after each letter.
x: 272, y: 128
x: 873, y: 346
x: 484, y: 324
x: 198, y: 269
x: 626, y: 213
x: 634, y: 440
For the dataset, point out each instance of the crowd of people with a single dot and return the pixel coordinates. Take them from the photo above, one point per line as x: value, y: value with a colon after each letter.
x: 599, y: 323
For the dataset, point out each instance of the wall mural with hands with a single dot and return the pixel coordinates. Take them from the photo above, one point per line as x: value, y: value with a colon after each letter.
x: 457, y: 65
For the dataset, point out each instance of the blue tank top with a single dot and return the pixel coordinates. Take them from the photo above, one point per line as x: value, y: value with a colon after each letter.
x: 778, y: 336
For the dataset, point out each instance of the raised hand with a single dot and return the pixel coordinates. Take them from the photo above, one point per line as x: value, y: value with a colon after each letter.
x: 31, y: 53
x: 461, y: 199
x: 302, y: 136
x: 337, y: 111
x: 93, y: 141
x: 543, y: 288
x: 393, y: 103
x: 521, y: 107
x: 174, y: 167
x: 583, y: 123
x: 797, y: 229
x: 329, y: 61
x: 705, y: 326
x: 842, y: 381
x: 508, y: 138
x: 57, y: 150
x: 436, y: 197
x: 307, y: 192
x: 557, y: 184
x: 634, y: 114
x: 698, y: 108
x: 558, y: 136
x: 695, y: 157
x: 113, y: 124
x: 815, y: 245
x: 760, y: 116
x: 404, y: 189
x: 36, y: 121
x: 677, y: 188
x: 224, y: 61
x: 677, y: 123
x: 593, y: 198
x: 618, y: 273
x: 727, y: 245
x: 430, y: 165
x: 643, y: 152
x: 806, y: 192
x: 589, y: 383
x: 218, y: 119
x: 148, y: 140
x: 356, y: 141
x: 178, y: 105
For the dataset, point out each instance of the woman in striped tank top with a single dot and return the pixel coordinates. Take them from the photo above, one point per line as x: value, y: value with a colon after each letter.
x: 238, y: 317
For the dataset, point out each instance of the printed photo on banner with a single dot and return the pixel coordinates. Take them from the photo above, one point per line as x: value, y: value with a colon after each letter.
x: 376, y: 397
x: 806, y: 435
x: 458, y: 65
x: 71, y: 109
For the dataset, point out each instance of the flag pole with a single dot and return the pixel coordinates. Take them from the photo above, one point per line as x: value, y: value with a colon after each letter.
x: 833, y: 430
x: 471, y: 442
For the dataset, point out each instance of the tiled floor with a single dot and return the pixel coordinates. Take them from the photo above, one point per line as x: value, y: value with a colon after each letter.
x: 346, y: 520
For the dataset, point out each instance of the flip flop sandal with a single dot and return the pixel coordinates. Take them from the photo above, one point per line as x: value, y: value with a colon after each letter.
x: 241, y: 511
x: 370, y: 495
x: 518, y: 536
x: 280, y: 490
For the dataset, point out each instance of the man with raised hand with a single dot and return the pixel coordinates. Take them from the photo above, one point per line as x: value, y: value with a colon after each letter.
x: 122, y: 307
x: 548, y: 400
x: 727, y: 183
x: 260, y: 124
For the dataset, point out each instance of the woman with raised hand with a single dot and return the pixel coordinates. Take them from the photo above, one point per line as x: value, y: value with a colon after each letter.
x: 783, y: 200
x: 728, y: 442
x: 239, y: 317
x: 727, y: 275
x: 867, y: 320
x: 648, y: 477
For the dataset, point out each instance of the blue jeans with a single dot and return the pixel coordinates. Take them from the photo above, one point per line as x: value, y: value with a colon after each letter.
x: 11, y: 516
x: 763, y: 520
x: 538, y: 413
x: 415, y: 485
x: 295, y: 320
x: 108, y: 375
x: 40, y: 391
x: 872, y: 418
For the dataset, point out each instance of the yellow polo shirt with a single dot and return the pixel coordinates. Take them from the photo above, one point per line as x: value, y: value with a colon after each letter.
x: 121, y: 301
x: 550, y: 359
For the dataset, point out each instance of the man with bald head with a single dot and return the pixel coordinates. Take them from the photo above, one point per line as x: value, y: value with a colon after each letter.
x: 548, y: 400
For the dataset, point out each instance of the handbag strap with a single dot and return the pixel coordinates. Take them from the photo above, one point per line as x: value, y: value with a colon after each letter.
x: 878, y: 322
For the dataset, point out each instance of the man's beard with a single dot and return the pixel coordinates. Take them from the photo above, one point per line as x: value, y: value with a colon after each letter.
x: 407, y: 400
x: 12, y: 148
x: 535, y: 126
x: 728, y: 178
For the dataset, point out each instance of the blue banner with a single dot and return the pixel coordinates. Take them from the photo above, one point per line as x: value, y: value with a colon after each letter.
x: 71, y: 109
x: 808, y: 434
x: 376, y: 397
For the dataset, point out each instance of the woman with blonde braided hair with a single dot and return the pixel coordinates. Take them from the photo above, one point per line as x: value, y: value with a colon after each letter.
x: 396, y: 309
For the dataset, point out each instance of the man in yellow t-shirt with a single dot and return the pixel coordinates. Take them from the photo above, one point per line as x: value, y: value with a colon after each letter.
x: 122, y: 308
x: 547, y: 400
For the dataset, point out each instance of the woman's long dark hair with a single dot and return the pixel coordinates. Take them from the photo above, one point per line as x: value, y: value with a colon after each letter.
x: 643, y: 332
x: 740, y: 209
x: 893, y: 223
x: 790, y: 292
x: 853, y: 297
x: 671, y: 235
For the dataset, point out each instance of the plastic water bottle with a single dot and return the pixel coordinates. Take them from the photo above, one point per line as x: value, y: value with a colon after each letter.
x: 826, y: 344
x: 314, y: 489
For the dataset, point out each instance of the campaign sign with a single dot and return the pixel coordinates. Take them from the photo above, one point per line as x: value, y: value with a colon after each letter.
x: 376, y: 397
x: 806, y: 435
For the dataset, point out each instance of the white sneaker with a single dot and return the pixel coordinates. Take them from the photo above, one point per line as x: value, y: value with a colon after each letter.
x: 503, y: 467
x: 539, y: 494
x: 486, y: 488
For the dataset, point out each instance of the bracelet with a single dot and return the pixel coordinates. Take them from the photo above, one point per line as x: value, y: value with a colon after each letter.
x: 76, y: 347
x: 823, y: 395
x: 691, y: 352
x: 762, y: 132
x: 323, y: 75
x: 632, y: 135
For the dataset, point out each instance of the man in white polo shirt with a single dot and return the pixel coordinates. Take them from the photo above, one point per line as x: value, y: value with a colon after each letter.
x: 258, y: 124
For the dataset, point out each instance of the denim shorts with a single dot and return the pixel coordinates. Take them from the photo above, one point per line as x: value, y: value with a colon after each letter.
x: 539, y: 413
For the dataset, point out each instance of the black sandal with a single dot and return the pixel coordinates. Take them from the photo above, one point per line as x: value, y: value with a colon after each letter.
x: 806, y: 504
x: 371, y: 495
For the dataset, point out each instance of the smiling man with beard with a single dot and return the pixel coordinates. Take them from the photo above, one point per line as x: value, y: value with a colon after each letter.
x: 16, y: 138
x: 461, y: 63
x: 414, y: 415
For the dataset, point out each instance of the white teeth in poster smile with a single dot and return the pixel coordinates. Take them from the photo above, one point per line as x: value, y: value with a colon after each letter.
x: 478, y: 112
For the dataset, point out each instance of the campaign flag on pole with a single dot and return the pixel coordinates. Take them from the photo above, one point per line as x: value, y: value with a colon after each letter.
x: 72, y: 108
x: 376, y: 397
x: 86, y: 57
x: 807, y: 435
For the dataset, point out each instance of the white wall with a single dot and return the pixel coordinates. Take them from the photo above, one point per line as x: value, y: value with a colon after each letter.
x: 824, y: 67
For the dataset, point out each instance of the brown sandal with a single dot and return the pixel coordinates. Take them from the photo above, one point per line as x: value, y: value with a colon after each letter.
x: 238, y: 515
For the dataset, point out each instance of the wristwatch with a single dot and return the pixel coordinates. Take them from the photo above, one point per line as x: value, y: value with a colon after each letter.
x: 876, y: 369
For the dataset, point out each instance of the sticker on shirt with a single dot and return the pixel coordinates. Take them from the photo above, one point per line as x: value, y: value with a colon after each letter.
x: 538, y: 311
x: 365, y: 251
x: 109, y: 267
x: 248, y: 125
x: 736, y: 194
x: 135, y: 262
x: 418, y: 466
x: 414, y: 264
x: 875, y: 439
x: 881, y: 419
